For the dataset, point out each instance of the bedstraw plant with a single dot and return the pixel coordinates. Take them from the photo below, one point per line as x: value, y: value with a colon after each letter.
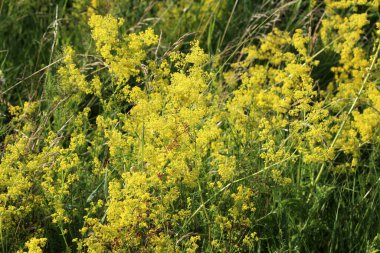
x: 159, y: 126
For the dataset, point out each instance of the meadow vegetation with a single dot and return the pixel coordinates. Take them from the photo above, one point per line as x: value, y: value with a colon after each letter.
x: 189, y: 126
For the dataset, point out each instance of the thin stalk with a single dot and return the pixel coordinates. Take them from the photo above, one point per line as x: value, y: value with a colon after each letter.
x: 1, y: 235
x: 229, y: 21
x: 35, y: 73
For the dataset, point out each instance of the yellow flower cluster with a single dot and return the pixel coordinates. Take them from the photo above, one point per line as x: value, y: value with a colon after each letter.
x: 277, y: 107
x: 71, y: 77
x: 15, y: 182
x: 356, y: 91
x: 167, y: 133
x: 239, y: 215
x: 35, y: 245
x: 122, y: 55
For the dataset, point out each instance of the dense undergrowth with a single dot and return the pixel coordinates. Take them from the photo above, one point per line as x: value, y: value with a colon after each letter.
x: 190, y: 126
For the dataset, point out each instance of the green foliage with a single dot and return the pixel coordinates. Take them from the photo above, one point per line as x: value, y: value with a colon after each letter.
x: 201, y: 126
